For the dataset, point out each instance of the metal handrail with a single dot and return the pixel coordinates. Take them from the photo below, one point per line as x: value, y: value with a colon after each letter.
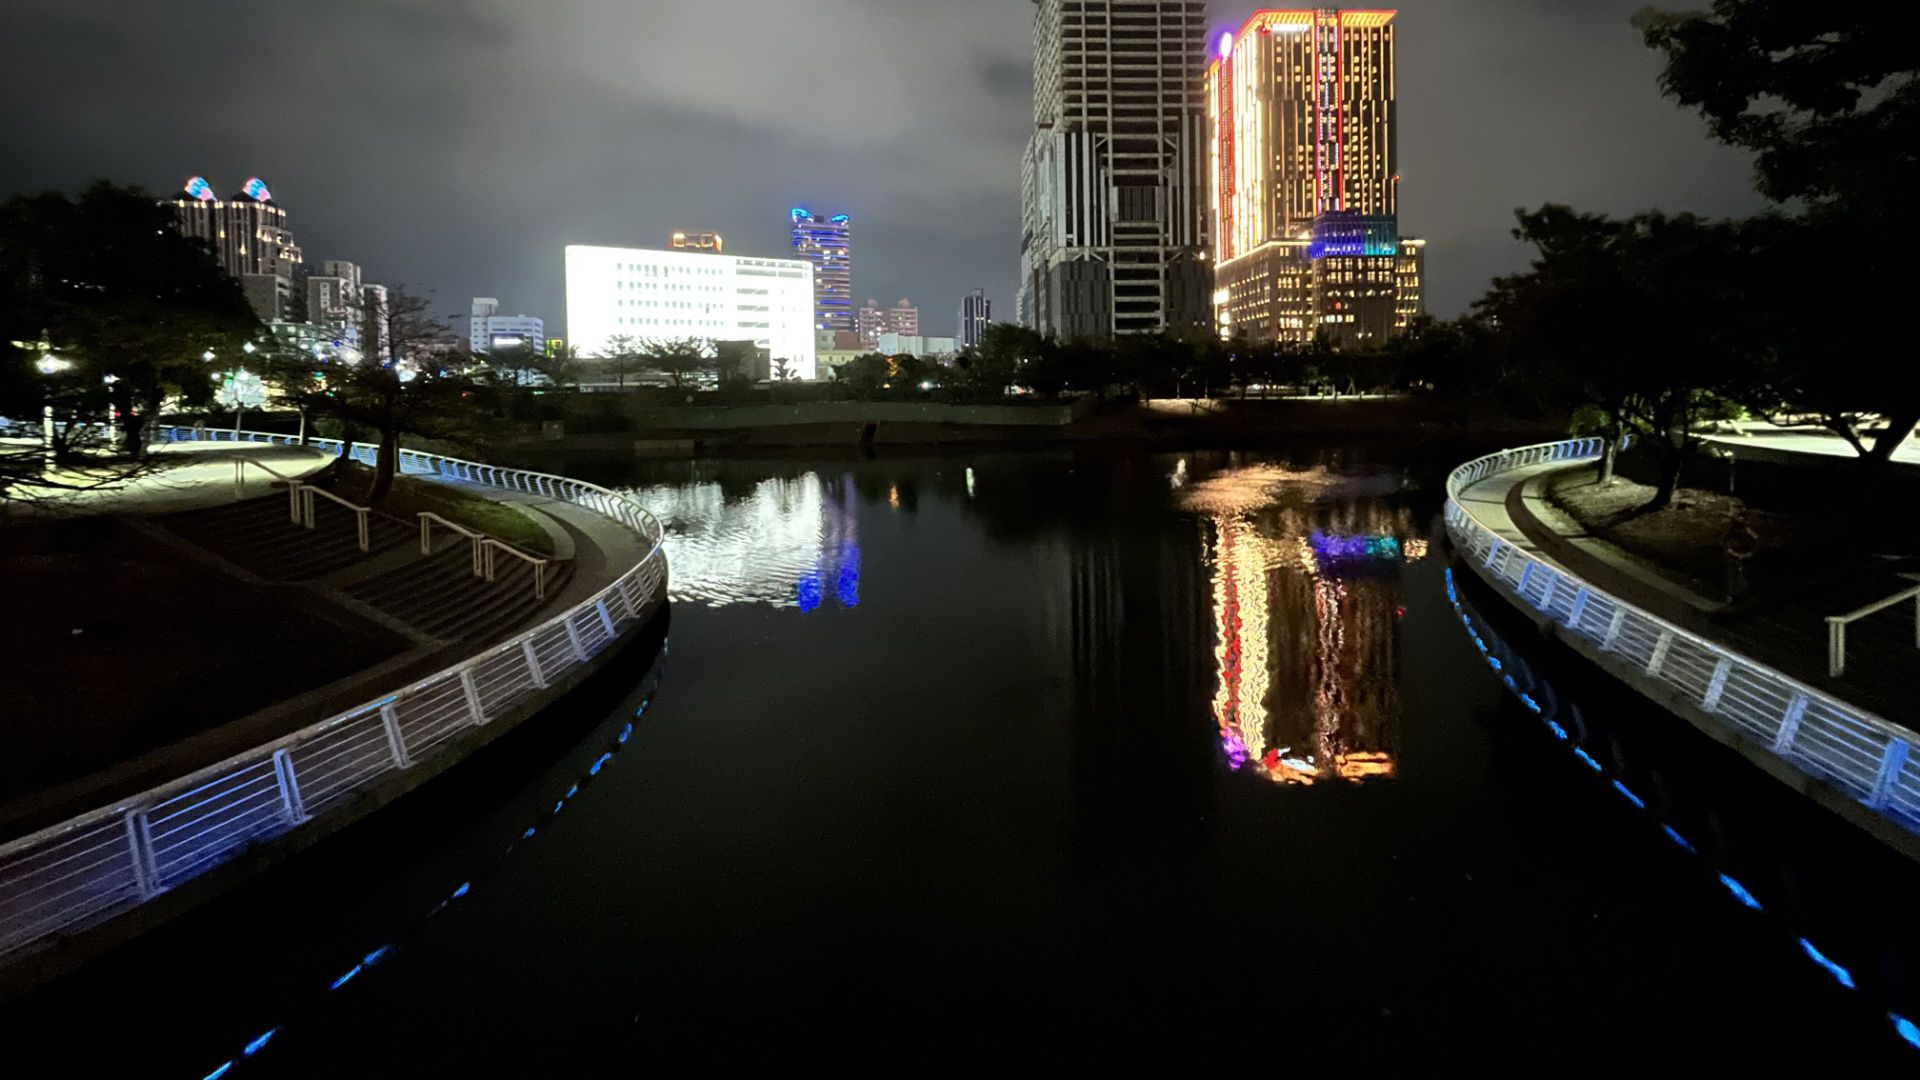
x: 100, y: 864
x: 427, y: 521
x: 1857, y: 751
x: 1837, y: 628
x: 360, y: 513
x: 293, y: 486
x: 489, y: 545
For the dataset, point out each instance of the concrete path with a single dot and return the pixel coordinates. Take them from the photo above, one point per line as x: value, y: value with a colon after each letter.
x: 1789, y: 635
x: 1768, y: 440
x: 185, y: 476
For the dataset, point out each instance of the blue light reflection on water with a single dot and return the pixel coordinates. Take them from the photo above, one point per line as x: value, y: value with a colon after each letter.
x: 1905, y: 1029
x: 380, y: 953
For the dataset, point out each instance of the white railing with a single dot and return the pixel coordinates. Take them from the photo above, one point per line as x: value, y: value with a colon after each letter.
x: 1856, y: 751
x: 360, y: 513
x: 293, y: 486
x: 482, y: 548
x: 428, y: 520
x: 1837, y: 628
x: 84, y: 871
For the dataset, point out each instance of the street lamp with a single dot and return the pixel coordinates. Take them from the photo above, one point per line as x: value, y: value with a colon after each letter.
x: 49, y: 365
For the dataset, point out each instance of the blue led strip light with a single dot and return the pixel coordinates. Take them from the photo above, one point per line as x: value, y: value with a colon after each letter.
x: 460, y: 891
x: 1904, y: 1028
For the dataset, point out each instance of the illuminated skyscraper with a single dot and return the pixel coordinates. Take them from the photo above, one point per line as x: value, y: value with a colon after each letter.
x: 249, y: 237
x: 1306, y: 179
x: 825, y: 242
x: 1113, y: 184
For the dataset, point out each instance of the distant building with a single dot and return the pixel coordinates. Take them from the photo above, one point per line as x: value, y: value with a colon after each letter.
x: 874, y: 320
x: 249, y: 237
x: 334, y: 296
x: 825, y: 243
x: 489, y: 330
x: 697, y: 241
x: 891, y: 344
x: 1306, y: 214
x: 680, y: 294
x: 835, y: 347
x: 976, y: 312
x: 1114, y: 180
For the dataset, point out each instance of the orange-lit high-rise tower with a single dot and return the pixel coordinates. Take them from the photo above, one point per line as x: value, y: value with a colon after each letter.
x: 1305, y: 169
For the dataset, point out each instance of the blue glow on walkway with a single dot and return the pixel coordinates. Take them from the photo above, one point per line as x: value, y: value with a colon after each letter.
x: 220, y: 1072
x: 344, y: 979
x: 1678, y: 839
x: 260, y: 1043
x: 1631, y: 797
x: 1906, y: 1029
x: 1586, y: 757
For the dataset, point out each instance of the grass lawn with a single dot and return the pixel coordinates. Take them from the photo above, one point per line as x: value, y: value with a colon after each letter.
x: 118, y: 647
x: 409, y: 496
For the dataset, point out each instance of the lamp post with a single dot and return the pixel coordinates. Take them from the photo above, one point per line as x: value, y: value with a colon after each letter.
x: 49, y: 365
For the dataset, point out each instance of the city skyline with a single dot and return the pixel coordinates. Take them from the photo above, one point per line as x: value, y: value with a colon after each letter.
x: 1500, y: 109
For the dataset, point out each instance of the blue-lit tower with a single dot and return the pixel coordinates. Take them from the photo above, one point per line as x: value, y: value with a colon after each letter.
x: 825, y: 242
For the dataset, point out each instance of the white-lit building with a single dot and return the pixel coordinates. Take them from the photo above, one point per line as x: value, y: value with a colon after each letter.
x: 649, y: 294
x: 916, y: 345
x: 488, y: 329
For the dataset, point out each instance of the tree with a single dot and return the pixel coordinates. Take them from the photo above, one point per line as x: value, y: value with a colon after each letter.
x: 409, y: 378
x: 1639, y: 318
x: 680, y: 359
x: 517, y: 366
x: 1828, y: 99
x: 106, y: 285
x: 622, y: 356
x: 865, y: 375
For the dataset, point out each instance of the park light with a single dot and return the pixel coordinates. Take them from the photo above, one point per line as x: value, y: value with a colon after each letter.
x: 207, y: 356
x: 247, y: 348
x: 50, y: 364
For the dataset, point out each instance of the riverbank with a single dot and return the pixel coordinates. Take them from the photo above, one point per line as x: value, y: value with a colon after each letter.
x: 614, y: 432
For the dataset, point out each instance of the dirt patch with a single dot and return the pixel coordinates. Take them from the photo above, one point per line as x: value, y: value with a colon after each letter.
x: 1690, y: 538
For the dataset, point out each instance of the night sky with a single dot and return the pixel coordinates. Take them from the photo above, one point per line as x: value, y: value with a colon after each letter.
x: 457, y: 145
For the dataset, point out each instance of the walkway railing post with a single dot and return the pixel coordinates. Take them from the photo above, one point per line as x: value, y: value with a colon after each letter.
x: 146, y: 871
x: 579, y: 647
x: 1710, y: 701
x: 289, y: 787
x: 1891, y: 764
x: 606, y: 618
x: 472, y: 694
x: 533, y: 665
x: 396, y: 742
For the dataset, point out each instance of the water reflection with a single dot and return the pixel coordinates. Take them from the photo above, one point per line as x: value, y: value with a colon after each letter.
x: 1304, y: 565
x: 786, y: 542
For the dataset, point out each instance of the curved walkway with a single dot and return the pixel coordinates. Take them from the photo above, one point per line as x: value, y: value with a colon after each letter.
x: 75, y: 888
x: 1842, y: 755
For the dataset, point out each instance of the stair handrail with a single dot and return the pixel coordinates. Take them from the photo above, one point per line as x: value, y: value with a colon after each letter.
x: 428, y: 519
x: 490, y: 545
x: 308, y: 491
x: 293, y: 486
x: 1837, y: 627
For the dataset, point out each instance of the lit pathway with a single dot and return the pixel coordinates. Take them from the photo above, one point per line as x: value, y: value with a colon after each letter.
x: 1802, y: 440
x: 1789, y: 635
x: 186, y: 476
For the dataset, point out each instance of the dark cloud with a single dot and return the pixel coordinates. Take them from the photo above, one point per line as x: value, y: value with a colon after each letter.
x: 460, y: 144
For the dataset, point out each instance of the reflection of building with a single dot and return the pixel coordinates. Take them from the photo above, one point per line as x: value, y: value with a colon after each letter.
x: 826, y: 244
x: 690, y: 294
x: 487, y: 329
x: 249, y: 237
x: 1306, y: 629
x: 1114, y: 180
x: 788, y: 542
x: 1306, y: 180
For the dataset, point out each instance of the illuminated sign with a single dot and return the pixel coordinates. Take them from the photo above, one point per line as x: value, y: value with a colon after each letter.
x: 199, y: 188
x: 256, y: 189
x: 801, y: 213
x: 841, y: 219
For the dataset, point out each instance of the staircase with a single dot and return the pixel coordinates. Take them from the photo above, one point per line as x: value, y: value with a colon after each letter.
x: 257, y: 536
x: 439, y: 596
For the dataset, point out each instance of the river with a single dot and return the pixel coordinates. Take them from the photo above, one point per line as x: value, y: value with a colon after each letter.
x: 1049, y: 757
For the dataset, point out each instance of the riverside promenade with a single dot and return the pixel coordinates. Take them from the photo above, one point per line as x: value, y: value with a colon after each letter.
x: 1754, y: 681
x: 135, y: 844
x: 1788, y: 635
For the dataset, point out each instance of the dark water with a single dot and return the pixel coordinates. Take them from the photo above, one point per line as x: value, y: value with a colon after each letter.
x: 1051, y: 758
